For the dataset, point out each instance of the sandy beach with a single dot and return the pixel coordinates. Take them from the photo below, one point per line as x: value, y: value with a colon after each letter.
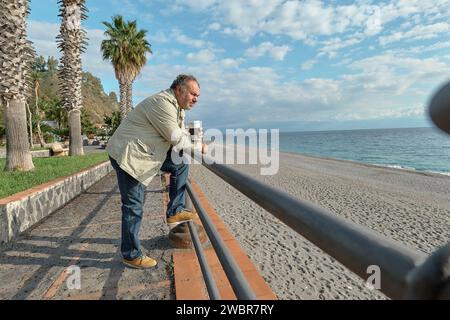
x: 409, y: 207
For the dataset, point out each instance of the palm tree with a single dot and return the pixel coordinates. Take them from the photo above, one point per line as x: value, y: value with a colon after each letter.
x: 71, y: 41
x: 52, y: 64
x: 126, y: 48
x: 16, y: 56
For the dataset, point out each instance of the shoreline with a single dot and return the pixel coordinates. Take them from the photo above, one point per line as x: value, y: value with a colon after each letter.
x: 393, y: 167
x: 388, y: 167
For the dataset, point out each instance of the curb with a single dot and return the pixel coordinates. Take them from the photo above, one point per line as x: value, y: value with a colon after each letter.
x: 23, y: 210
x: 34, y: 154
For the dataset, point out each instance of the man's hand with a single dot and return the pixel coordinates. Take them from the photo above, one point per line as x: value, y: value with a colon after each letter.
x: 204, y: 148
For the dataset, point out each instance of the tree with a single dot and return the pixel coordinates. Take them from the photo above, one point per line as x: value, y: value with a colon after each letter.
x: 2, y: 126
x: 16, y: 56
x: 52, y: 64
x: 88, y: 126
x: 39, y: 64
x: 126, y: 49
x: 36, y: 77
x: 54, y: 111
x: 112, y: 122
x: 71, y: 41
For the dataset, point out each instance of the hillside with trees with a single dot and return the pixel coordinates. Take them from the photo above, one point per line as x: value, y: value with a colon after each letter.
x: 96, y: 102
x: 98, y: 106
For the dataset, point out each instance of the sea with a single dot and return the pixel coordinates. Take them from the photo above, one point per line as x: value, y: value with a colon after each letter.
x: 420, y: 149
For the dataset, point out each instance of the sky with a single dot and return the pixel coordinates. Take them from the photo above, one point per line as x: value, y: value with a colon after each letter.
x: 292, y: 65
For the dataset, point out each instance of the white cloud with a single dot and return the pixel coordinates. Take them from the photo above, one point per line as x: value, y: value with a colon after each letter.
x: 43, y: 35
x: 276, y: 52
x: 423, y: 49
x: 332, y: 25
x: 308, y: 64
x: 196, y: 5
x: 211, y: 27
x: 248, y: 93
x: 420, y: 32
x: 300, y: 20
x: 167, y: 54
x: 214, y: 26
x: 92, y: 58
x: 203, y: 56
x: 230, y: 63
x: 332, y: 46
x: 183, y: 39
x: 394, y: 75
x: 411, y: 112
x: 128, y: 6
x: 159, y: 37
x: 373, y: 24
x: 375, y: 89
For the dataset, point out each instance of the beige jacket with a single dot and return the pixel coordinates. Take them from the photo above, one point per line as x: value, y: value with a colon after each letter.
x: 141, y: 142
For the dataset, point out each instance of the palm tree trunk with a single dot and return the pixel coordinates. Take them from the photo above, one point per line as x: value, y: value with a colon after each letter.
x: 18, y: 155
x: 30, y: 125
x: 71, y: 42
x: 129, y: 96
x: 38, y: 113
x: 39, y: 132
x: 123, y: 100
x: 15, y: 58
x: 76, y: 142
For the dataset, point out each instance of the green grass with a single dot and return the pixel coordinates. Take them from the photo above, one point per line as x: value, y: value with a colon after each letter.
x: 46, y: 169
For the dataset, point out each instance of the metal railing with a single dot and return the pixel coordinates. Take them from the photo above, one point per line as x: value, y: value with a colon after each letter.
x: 405, y: 273
x: 234, y: 274
x: 213, y: 292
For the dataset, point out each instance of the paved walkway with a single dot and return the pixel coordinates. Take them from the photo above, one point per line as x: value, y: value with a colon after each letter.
x: 83, y: 238
x: 93, y: 149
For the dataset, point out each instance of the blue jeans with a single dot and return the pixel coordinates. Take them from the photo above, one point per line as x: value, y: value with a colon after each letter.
x: 132, y: 197
x: 178, y: 177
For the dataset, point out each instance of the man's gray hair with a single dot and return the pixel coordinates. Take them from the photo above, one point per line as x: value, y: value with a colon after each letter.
x: 182, y: 80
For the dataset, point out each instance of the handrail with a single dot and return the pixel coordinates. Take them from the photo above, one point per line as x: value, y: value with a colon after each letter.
x: 211, y: 287
x: 234, y: 274
x: 354, y: 246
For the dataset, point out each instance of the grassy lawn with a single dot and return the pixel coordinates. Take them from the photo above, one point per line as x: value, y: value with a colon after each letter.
x: 46, y: 169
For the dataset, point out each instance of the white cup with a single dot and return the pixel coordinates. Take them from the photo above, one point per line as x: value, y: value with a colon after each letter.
x: 196, y: 131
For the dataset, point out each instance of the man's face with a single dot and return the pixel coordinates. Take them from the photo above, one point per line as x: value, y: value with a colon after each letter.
x: 187, y: 95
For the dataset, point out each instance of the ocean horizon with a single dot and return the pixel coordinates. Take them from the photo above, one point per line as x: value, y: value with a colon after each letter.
x: 419, y: 149
x: 423, y: 149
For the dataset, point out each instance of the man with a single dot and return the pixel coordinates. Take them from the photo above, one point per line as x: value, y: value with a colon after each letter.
x: 140, y: 148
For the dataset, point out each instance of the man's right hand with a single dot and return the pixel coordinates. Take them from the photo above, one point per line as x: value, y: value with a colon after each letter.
x: 204, y: 148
